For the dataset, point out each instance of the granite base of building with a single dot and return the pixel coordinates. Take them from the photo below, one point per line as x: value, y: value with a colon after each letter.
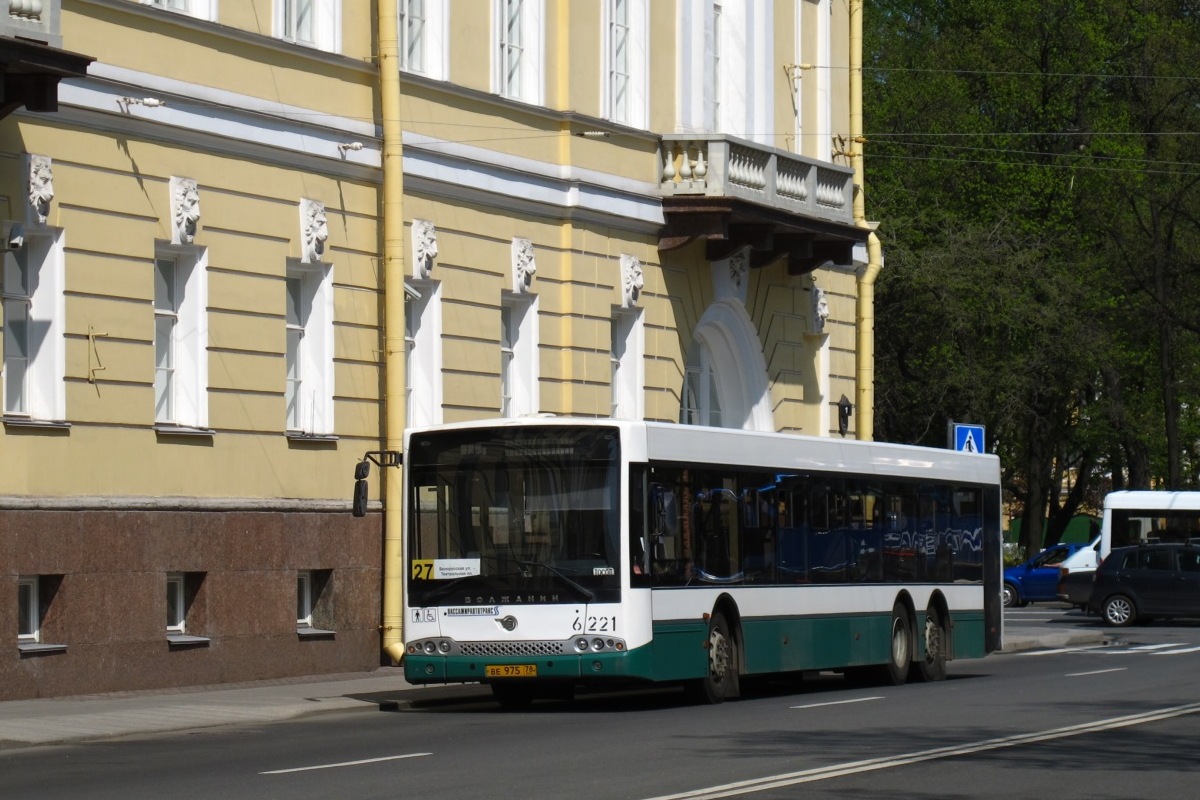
x: 124, y: 600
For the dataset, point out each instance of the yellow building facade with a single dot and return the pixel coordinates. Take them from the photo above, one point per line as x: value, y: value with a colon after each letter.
x: 608, y: 208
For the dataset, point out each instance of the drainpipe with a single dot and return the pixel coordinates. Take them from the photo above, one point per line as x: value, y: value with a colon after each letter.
x: 393, y: 326
x: 865, y: 313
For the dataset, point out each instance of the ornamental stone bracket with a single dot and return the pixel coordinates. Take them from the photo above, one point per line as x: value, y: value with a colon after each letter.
x: 632, y: 280
x: 425, y: 248
x: 41, y: 189
x: 524, y: 265
x: 185, y: 210
x: 314, y: 231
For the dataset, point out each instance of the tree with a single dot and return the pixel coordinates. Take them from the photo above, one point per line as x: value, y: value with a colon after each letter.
x: 1038, y: 265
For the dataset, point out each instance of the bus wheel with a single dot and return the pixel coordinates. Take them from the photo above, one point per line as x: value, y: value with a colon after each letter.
x: 933, y: 666
x: 721, y: 680
x: 896, y: 670
x: 513, y: 695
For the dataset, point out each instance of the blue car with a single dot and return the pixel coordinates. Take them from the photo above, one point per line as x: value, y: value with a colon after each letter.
x: 1037, y: 579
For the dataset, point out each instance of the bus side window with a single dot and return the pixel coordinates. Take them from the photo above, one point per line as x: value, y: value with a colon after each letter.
x: 667, y: 559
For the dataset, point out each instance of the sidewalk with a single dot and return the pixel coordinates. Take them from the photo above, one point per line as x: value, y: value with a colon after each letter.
x: 78, y: 718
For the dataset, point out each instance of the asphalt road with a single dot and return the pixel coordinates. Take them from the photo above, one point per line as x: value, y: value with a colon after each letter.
x: 1115, y: 720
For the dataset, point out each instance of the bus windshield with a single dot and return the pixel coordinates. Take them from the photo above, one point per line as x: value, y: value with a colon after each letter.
x: 521, y: 515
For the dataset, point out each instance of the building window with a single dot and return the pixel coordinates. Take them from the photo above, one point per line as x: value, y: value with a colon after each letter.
x: 716, y: 66
x: 412, y: 35
x: 508, y: 335
x: 422, y: 32
x: 315, y: 23
x: 35, y: 596
x: 180, y: 338
x: 176, y: 605
x: 304, y: 601
x: 314, y: 604
x: 625, y: 359
x: 29, y: 618
x: 701, y: 404
x: 309, y: 354
x: 518, y: 26
x: 34, y: 346
x: 17, y: 335
x: 185, y: 609
x: 519, y: 373
x: 625, y: 53
x: 200, y: 9
x: 618, y: 69
x: 423, y: 362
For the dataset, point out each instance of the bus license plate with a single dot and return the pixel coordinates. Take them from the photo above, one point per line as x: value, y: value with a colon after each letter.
x: 511, y: 670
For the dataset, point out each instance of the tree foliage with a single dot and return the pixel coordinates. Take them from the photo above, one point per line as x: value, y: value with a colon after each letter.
x: 1035, y: 167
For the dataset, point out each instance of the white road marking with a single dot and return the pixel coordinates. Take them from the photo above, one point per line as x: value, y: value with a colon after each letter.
x: 1177, y: 652
x: 839, y: 702
x: 344, y: 764
x: 1141, y: 647
x: 1058, y: 650
x: 874, y: 764
x: 1094, y: 672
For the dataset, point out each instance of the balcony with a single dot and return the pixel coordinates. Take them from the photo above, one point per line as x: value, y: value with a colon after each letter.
x: 32, y: 20
x: 733, y: 194
x: 32, y: 60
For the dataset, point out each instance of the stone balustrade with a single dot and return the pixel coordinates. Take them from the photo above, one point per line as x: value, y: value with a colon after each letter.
x: 32, y: 20
x: 723, y: 166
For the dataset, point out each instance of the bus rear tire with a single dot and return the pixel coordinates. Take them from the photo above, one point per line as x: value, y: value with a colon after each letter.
x: 895, y: 671
x: 721, y: 680
x: 933, y: 666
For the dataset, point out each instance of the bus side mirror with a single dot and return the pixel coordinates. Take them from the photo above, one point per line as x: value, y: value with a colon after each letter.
x: 359, y: 504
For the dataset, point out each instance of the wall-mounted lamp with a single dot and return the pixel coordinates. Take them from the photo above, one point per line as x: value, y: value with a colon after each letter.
x: 845, y: 409
x: 346, y: 146
x: 593, y: 134
x: 14, y: 238
x: 148, y: 102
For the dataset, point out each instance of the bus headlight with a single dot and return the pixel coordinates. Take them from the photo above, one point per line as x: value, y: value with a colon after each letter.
x: 597, y: 644
x: 581, y: 644
x: 430, y: 648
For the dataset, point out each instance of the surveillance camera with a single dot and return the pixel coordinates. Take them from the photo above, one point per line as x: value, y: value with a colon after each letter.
x: 16, y: 237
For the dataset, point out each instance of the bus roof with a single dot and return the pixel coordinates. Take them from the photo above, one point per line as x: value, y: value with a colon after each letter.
x: 645, y: 441
x: 1155, y: 499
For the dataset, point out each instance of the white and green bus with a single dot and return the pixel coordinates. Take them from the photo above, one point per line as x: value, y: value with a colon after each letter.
x: 547, y: 553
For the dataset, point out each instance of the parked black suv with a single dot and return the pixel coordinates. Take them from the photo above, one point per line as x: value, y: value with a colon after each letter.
x: 1150, y: 580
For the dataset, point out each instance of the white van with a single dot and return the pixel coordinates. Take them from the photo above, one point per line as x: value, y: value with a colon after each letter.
x: 1144, y: 517
x: 1084, y: 559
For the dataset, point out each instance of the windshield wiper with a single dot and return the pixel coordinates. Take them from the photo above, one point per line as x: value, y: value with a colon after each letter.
x: 441, y: 591
x: 579, y: 587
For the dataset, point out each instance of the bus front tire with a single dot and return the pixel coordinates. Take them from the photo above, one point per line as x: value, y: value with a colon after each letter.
x: 721, y: 680
x: 933, y: 666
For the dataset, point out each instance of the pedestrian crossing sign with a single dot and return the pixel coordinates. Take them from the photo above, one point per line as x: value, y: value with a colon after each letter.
x: 968, y: 438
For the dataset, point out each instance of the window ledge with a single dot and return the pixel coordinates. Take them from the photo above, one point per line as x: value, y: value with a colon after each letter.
x: 300, y: 436
x: 40, y: 648
x: 184, y: 640
x: 181, y: 430
x: 309, y: 632
x: 26, y: 422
